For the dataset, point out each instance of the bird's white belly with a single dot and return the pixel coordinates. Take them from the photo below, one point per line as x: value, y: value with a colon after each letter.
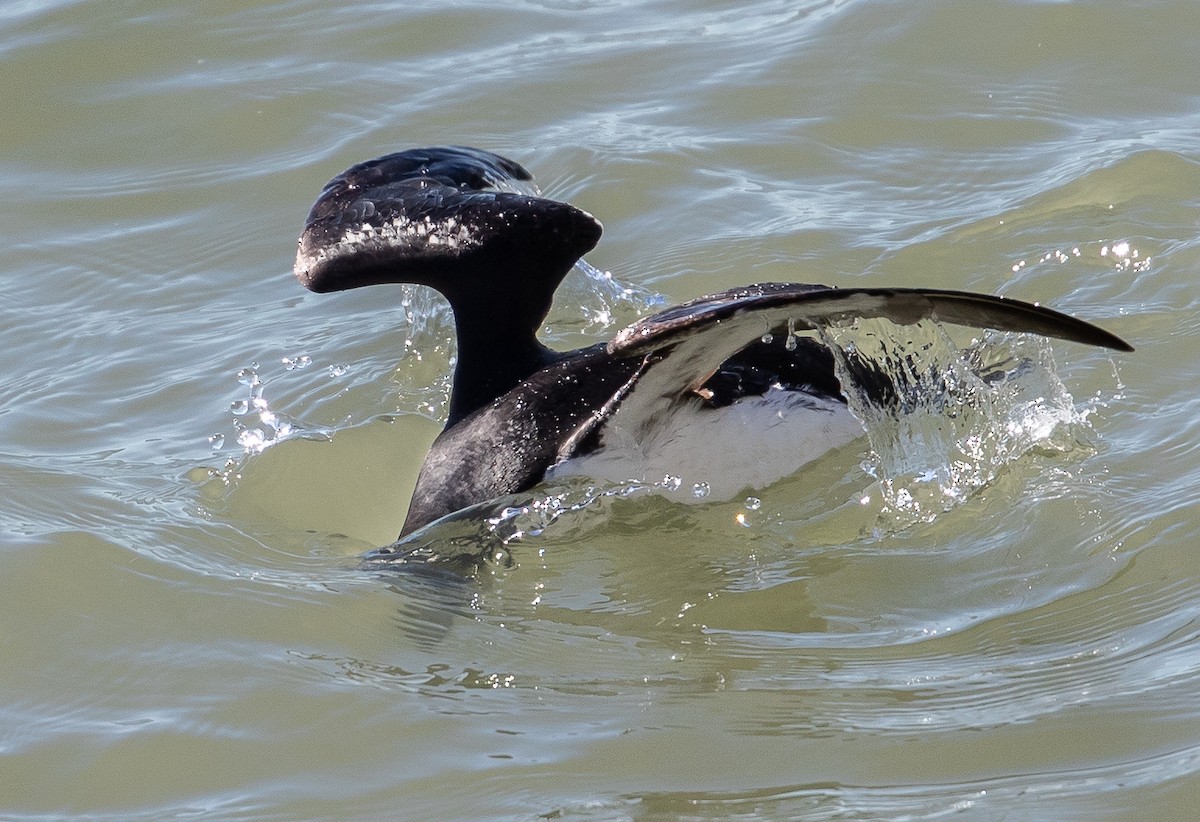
x: 721, y: 452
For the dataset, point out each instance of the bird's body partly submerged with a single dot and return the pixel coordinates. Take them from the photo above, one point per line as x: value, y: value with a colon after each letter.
x: 662, y: 390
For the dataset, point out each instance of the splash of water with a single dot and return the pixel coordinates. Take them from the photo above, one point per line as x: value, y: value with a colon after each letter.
x: 486, y: 535
x: 256, y: 425
x: 1122, y: 255
x: 604, y: 300
x: 944, y: 421
x: 607, y: 300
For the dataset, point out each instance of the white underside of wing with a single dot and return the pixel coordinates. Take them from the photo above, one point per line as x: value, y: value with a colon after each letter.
x: 747, y: 445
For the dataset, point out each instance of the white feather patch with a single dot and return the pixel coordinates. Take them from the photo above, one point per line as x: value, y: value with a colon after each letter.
x: 750, y: 444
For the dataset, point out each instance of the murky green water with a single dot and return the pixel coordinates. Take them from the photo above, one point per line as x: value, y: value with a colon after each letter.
x: 184, y: 629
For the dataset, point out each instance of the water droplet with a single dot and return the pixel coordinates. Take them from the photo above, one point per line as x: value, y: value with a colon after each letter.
x: 253, y: 440
x: 303, y: 361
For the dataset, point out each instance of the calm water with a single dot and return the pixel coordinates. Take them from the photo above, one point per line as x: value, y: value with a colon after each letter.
x: 185, y: 632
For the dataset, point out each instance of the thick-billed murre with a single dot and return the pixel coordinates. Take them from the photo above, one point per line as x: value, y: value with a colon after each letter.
x: 520, y: 410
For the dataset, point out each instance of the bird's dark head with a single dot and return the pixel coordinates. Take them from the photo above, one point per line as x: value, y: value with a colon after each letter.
x: 436, y: 217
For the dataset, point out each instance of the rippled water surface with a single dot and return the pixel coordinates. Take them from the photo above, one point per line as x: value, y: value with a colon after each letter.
x: 194, y: 451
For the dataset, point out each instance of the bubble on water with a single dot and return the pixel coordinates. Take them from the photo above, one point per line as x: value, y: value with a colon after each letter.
x: 767, y: 339
x: 338, y: 370
x: 753, y: 503
x: 239, y: 407
x: 303, y: 361
x: 671, y: 482
x: 216, y: 441
x: 248, y: 376
x: 701, y: 490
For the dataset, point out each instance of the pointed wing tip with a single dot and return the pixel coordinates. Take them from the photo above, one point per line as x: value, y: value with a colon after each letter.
x: 1117, y: 344
x: 1112, y: 341
x: 1008, y: 314
x: 1097, y: 336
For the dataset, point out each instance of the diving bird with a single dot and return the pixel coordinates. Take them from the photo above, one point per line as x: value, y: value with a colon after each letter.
x: 684, y: 383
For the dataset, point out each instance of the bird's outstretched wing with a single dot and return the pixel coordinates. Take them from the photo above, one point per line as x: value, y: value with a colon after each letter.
x: 684, y: 345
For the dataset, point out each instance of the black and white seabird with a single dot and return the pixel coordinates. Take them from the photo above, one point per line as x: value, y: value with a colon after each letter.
x: 520, y: 410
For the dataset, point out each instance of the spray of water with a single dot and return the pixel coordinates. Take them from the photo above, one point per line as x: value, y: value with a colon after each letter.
x: 942, y: 420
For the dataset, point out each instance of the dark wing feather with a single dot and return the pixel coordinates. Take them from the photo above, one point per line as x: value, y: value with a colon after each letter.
x: 771, y: 305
